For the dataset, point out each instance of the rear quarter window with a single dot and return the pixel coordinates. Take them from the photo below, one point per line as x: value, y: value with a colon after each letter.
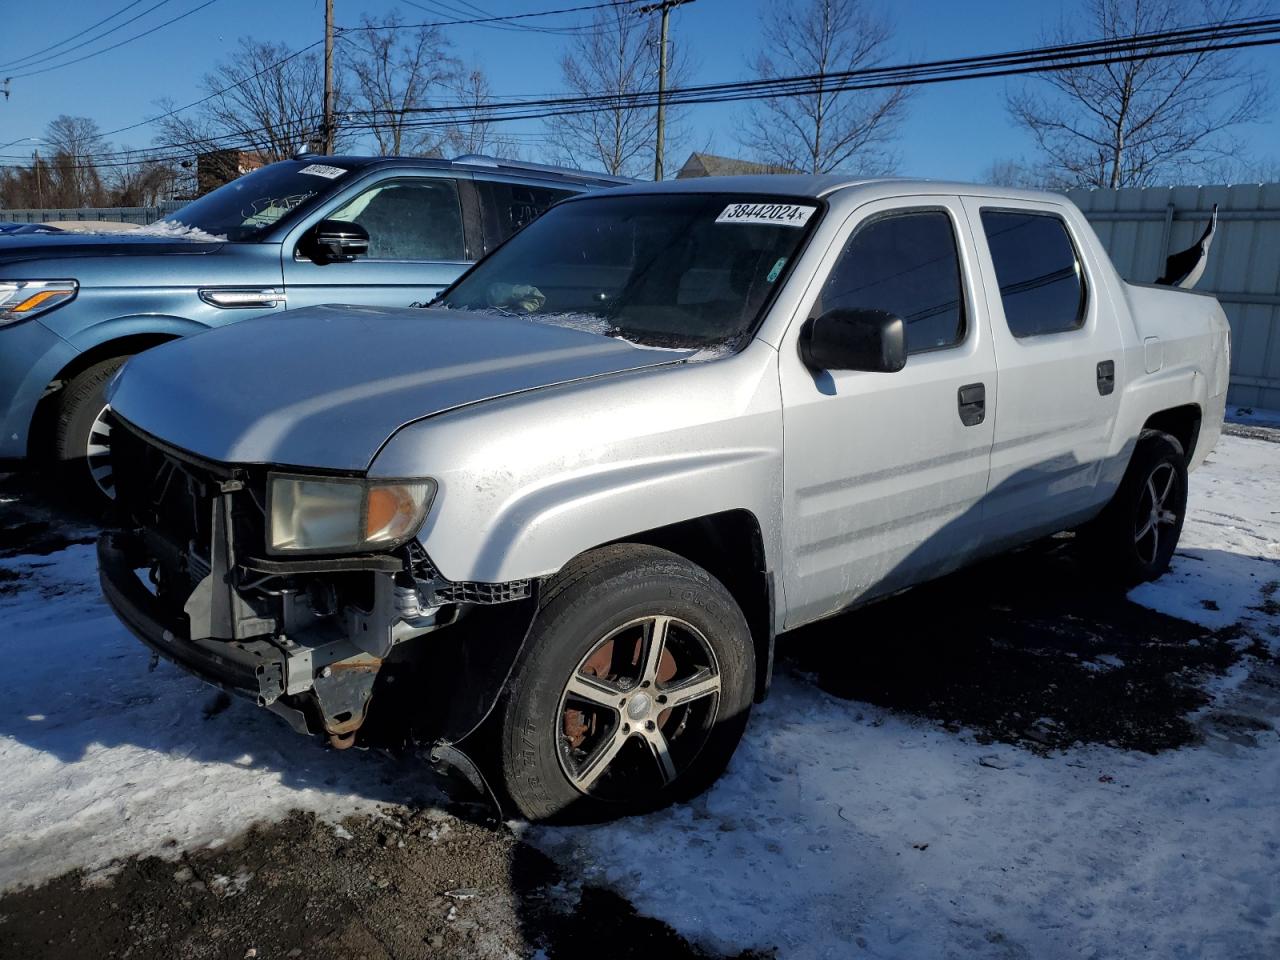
x: 1039, y: 272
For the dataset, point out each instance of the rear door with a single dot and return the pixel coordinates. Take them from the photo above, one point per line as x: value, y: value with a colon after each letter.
x: 1058, y: 350
x: 418, y: 245
x: 885, y: 472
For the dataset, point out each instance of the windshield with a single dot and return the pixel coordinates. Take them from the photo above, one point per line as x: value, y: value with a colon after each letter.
x: 247, y: 207
x: 685, y: 271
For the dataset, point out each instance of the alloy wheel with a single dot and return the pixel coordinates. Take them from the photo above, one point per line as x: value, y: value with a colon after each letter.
x: 638, y: 708
x: 1153, y: 513
x: 97, y: 454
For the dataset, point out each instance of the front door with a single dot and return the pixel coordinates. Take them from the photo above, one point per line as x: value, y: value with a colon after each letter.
x: 885, y: 472
x: 417, y: 247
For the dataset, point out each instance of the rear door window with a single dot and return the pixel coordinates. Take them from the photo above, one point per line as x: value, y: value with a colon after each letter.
x: 508, y: 207
x: 1039, y: 273
x: 411, y: 219
x: 907, y: 264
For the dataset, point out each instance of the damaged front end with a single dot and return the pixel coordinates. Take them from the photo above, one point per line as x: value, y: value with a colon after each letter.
x: 315, y: 639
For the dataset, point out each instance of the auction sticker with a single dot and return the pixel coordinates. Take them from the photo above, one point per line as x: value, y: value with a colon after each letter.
x: 323, y: 170
x: 773, y: 214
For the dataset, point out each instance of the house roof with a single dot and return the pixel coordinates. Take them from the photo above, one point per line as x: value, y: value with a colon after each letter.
x: 710, y: 165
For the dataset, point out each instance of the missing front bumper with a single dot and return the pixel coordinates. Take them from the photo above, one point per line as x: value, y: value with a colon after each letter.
x: 321, y: 687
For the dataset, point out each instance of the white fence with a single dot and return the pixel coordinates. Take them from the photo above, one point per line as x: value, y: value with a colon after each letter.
x: 1140, y: 227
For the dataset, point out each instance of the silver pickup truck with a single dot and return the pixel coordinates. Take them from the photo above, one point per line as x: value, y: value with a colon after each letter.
x: 559, y: 517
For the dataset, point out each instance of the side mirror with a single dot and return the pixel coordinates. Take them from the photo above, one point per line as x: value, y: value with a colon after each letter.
x: 873, y: 340
x: 337, y: 241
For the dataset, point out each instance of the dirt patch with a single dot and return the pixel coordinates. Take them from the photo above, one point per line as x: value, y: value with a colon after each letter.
x: 1027, y: 649
x: 405, y: 885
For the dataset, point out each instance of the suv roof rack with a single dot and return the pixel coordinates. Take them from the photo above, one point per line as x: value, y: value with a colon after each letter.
x: 483, y: 160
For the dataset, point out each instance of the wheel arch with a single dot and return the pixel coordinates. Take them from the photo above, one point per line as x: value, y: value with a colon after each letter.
x: 1182, y: 423
x: 39, y: 438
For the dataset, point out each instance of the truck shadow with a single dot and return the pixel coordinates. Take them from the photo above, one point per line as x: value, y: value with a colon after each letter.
x: 1029, y: 648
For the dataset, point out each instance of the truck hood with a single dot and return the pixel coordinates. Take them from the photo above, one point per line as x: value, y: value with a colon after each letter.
x: 327, y: 386
x: 59, y: 246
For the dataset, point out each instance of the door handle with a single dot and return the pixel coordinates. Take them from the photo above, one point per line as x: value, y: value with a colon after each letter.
x: 1106, y: 377
x: 972, y: 400
x: 234, y: 298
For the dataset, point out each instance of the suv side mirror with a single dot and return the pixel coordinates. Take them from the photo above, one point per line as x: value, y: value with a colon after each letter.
x: 840, y: 339
x: 337, y: 241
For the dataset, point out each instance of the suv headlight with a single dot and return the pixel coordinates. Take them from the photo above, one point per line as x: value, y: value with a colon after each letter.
x: 21, y: 299
x: 333, y: 514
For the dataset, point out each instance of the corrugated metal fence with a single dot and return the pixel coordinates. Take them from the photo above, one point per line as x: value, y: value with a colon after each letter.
x: 142, y: 215
x: 1140, y: 227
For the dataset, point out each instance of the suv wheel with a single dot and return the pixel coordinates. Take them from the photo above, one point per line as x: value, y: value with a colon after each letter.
x: 633, y: 692
x: 82, y: 442
x: 1137, y: 533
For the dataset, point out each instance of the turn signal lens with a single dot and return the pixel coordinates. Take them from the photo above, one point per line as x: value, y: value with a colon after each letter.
x: 20, y: 299
x: 394, y: 511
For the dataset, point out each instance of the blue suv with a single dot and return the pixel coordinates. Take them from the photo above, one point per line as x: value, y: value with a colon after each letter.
x: 386, y: 231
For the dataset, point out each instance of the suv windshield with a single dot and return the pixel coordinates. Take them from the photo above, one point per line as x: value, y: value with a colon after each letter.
x: 247, y: 207
x: 662, y: 270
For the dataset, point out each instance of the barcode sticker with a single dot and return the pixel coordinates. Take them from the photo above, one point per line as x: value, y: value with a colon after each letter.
x: 773, y: 214
x: 323, y: 170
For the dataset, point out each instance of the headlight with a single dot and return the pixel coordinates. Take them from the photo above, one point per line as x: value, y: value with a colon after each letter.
x: 332, y: 514
x: 20, y: 299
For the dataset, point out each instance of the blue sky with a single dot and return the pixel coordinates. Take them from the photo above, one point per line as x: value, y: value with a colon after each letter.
x: 954, y: 130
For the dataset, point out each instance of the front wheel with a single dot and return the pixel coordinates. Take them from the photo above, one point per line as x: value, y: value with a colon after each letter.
x: 1135, y: 536
x: 633, y: 691
x: 82, y: 443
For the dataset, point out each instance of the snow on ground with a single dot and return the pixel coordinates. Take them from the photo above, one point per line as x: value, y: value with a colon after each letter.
x: 840, y: 829
x: 100, y: 758
x: 846, y: 830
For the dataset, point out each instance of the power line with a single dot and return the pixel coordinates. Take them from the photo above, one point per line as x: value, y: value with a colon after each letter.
x: 1035, y: 60
x: 116, y: 46
x: 92, y: 26
x: 502, y: 19
x: 1204, y: 39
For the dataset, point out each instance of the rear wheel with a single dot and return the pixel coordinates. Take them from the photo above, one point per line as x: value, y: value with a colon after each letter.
x: 1135, y: 536
x: 633, y: 691
x: 82, y: 441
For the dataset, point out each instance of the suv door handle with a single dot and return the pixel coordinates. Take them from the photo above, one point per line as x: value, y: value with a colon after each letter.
x: 1106, y: 377
x: 972, y: 399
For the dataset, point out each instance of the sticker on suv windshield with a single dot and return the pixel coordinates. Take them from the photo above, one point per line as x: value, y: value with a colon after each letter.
x: 774, y: 214
x: 323, y: 170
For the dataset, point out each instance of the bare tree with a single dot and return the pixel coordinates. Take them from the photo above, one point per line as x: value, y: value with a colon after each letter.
x: 77, y: 149
x: 1144, y: 121
x: 135, y: 180
x: 824, y: 129
x: 474, y: 130
x: 1015, y: 173
x: 616, y: 59
x: 265, y: 99
x: 395, y: 72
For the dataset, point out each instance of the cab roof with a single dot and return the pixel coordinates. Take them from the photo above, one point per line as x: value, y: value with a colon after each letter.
x: 816, y: 186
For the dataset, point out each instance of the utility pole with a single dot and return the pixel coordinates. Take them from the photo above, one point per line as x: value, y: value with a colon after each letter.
x: 328, y: 77
x: 664, y: 7
x: 35, y: 167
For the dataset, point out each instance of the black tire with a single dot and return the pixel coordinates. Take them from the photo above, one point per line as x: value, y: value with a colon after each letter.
x: 1116, y: 539
x: 84, y: 474
x: 603, y: 594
